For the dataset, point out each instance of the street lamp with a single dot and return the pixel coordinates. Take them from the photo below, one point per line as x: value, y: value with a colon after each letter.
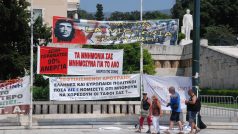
x: 196, y: 42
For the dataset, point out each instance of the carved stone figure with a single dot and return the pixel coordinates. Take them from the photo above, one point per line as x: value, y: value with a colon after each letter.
x: 187, y: 24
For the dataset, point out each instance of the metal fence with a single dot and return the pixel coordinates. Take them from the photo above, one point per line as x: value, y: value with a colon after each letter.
x: 219, y: 108
x: 214, y: 109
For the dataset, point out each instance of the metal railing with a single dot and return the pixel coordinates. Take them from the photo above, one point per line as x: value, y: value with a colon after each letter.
x: 219, y: 108
x: 214, y: 109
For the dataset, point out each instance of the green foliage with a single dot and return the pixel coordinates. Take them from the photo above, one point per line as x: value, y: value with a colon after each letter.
x: 41, y: 31
x: 179, y: 9
x: 131, y: 58
x: 40, y: 81
x: 224, y: 92
x: 220, y: 35
x: 12, y: 65
x: 122, y: 16
x: 14, y: 38
x: 151, y: 15
x: 40, y: 93
x: 135, y: 15
x: 213, y: 13
x: 99, y: 14
x: 181, y: 36
x: 148, y: 63
x: 41, y: 88
x: 85, y: 15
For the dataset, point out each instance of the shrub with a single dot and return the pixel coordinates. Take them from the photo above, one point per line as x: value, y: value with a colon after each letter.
x: 40, y: 93
x: 221, y: 92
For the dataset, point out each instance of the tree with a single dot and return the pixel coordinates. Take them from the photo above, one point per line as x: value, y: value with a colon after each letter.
x: 99, y: 14
x: 220, y: 35
x: 41, y: 31
x: 154, y: 15
x: 85, y: 15
x: 135, y: 15
x: 213, y: 12
x: 215, y: 15
x: 117, y: 16
x: 131, y: 58
x: 14, y: 38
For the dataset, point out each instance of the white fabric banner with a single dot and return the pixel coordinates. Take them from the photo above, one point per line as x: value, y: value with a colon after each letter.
x: 82, y: 61
x: 94, y: 87
x: 14, y: 92
x: 156, y: 85
x: 95, y: 61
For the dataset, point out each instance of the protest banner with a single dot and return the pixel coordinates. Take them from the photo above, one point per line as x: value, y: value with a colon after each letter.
x: 156, y: 85
x: 69, y: 31
x: 94, y: 87
x: 81, y: 61
x: 15, y: 96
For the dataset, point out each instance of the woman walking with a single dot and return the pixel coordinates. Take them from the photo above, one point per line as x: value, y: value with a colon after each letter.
x: 156, y: 113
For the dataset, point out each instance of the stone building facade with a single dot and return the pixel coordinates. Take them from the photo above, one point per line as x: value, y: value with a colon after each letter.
x: 218, y: 65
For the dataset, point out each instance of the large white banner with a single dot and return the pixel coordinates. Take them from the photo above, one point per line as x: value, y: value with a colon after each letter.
x: 94, y: 87
x: 53, y: 60
x: 156, y: 85
x: 15, y: 95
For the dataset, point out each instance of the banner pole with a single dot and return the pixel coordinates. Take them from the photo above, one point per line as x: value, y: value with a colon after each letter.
x: 141, y: 67
x: 141, y: 52
x: 141, y: 10
x: 31, y: 73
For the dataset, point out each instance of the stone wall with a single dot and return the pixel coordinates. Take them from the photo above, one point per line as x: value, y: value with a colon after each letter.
x: 170, y: 60
x: 217, y: 69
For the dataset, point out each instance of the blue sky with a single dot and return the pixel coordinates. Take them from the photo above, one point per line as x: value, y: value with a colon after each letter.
x: 126, y: 5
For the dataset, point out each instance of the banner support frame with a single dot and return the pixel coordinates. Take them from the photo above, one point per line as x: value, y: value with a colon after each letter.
x: 141, y: 53
x: 31, y: 70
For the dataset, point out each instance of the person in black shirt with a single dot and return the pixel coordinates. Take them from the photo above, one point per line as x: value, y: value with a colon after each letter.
x: 193, y: 108
x: 145, y: 112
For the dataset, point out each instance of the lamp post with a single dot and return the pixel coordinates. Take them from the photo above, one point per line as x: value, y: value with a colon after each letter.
x: 196, y: 49
x: 31, y: 70
x: 141, y: 10
x: 196, y: 44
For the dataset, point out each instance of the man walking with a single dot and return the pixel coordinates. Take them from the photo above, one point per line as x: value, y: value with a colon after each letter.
x: 176, y: 110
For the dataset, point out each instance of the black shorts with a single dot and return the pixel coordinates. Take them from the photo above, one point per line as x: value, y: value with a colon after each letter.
x: 175, y: 116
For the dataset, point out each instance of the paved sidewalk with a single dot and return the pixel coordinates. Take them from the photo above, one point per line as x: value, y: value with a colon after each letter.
x: 88, y: 124
x: 94, y: 129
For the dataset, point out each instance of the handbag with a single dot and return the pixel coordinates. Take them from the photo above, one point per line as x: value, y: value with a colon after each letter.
x: 144, y: 113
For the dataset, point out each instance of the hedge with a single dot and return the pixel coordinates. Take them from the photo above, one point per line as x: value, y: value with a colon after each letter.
x: 222, y: 92
x: 40, y: 93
